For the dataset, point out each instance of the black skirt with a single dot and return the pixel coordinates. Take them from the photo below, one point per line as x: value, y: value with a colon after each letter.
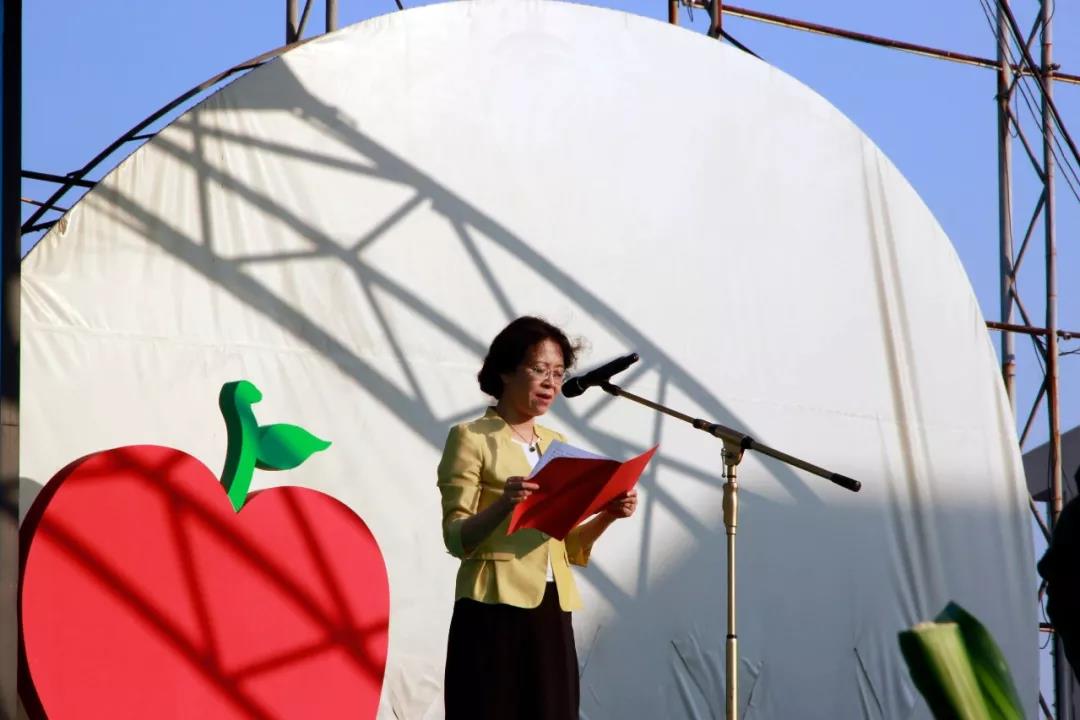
x: 510, y: 663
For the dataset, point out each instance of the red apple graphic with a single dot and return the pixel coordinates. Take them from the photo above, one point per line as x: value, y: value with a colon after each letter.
x: 150, y: 589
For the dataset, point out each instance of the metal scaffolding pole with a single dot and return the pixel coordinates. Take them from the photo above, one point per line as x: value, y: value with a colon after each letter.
x: 716, y: 18
x: 10, y: 260
x: 1051, y: 265
x: 1062, y: 672
x: 292, y: 23
x: 331, y: 15
x: 1005, y: 226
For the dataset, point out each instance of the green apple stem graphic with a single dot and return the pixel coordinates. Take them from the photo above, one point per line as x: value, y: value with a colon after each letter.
x: 250, y: 445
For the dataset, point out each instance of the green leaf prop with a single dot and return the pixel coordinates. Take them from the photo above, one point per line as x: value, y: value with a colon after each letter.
x: 959, y: 669
x: 941, y: 671
x: 250, y: 445
x: 283, y: 447
x: 988, y: 663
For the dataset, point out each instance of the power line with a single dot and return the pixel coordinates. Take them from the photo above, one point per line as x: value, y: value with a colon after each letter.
x: 1034, y: 67
x: 1027, y: 95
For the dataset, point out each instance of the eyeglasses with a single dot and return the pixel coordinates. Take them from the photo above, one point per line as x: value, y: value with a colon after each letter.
x: 542, y: 372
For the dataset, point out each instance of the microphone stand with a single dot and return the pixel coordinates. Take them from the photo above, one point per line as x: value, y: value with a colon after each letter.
x: 735, y: 443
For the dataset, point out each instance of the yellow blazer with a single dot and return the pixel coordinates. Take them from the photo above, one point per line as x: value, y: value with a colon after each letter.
x: 508, y: 569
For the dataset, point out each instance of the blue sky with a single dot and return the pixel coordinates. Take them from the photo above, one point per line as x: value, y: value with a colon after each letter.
x: 94, y: 69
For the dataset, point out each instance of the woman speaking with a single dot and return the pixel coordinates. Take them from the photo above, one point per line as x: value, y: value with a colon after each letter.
x: 511, y: 653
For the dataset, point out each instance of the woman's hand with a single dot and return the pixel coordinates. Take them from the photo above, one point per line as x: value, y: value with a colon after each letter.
x: 623, y: 506
x: 517, y: 489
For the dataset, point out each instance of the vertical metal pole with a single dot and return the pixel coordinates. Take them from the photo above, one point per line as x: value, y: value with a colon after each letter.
x: 292, y: 28
x: 716, y: 14
x: 331, y: 15
x: 732, y: 456
x: 1051, y: 267
x: 1005, y: 225
x: 10, y: 259
x: 1062, y: 673
x: 673, y: 12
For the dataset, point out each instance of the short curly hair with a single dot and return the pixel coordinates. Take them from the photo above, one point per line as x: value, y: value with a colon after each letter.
x: 510, y: 346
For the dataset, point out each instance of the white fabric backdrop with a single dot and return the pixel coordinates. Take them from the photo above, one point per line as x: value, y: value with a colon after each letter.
x: 349, y: 226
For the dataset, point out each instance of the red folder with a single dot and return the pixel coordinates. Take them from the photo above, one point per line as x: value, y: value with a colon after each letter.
x: 573, y: 489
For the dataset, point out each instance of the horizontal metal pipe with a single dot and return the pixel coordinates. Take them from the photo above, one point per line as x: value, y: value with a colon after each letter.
x: 59, y: 179
x: 926, y: 50
x: 40, y: 226
x: 1031, y: 330
x: 31, y: 201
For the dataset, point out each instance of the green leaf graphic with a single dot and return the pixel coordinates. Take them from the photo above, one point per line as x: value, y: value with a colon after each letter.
x: 283, y: 447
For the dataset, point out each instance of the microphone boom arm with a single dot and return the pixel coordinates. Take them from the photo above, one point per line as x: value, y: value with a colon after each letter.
x: 739, y: 440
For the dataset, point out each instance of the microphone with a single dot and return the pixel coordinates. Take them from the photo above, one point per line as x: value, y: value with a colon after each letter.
x: 580, y: 383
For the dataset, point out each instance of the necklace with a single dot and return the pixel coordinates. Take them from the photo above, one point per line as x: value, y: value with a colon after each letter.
x: 531, y: 443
